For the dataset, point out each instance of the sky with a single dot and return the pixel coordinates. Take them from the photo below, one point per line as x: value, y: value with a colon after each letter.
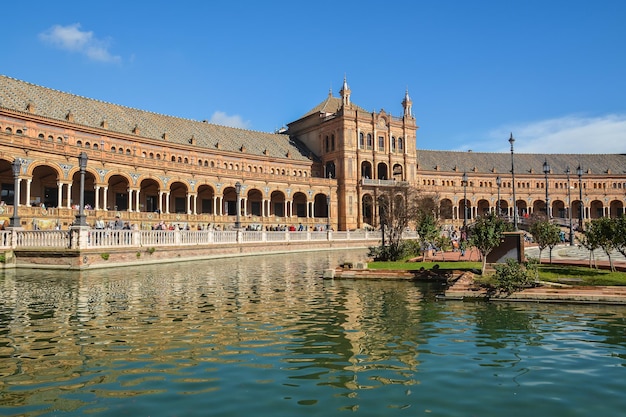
x: 552, y: 73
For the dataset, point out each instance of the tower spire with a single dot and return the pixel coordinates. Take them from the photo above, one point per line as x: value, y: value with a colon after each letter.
x: 345, y: 93
x: 407, y: 104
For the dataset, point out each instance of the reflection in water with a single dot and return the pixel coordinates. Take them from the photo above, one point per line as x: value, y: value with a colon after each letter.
x: 267, y: 336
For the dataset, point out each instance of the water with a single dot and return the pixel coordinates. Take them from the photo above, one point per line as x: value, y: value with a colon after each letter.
x: 266, y: 336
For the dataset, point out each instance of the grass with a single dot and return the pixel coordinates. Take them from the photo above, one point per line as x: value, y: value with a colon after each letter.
x: 574, y: 275
x: 587, y: 276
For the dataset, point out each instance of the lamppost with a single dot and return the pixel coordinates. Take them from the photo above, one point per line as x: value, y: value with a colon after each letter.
x: 498, y: 183
x: 512, y: 141
x: 15, y: 219
x: 579, y: 171
x: 464, y: 180
x: 238, y: 212
x: 546, y: 171
x: 328, y: 213
x: 81, y: 218
x: 569, y: 208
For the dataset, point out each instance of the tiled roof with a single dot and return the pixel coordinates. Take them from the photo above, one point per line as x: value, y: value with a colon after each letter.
x: 500, y: 163
x: 330, y: 106
x: 46, y: 102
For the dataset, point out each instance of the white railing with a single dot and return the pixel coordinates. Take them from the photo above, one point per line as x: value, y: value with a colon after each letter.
x: 52, y: 239
x: 93, y: 238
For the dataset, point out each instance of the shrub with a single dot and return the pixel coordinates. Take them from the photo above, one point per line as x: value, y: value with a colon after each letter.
x: 513, y: 276
x: 104, y: 256
x: 151, y: 250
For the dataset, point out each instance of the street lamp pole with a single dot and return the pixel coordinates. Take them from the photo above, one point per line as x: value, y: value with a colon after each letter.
x: 546, y: 171
x: 569, y: 208
x: 464, y: 179
x: 512, y: 141
x: 238, y: 212
x: 327, y: 213
x: 15, y: 218
x: 82, y: 163
x: 581, y: 216
x: 498, y: 183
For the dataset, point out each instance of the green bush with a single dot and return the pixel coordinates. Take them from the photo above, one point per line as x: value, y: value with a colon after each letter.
x: 514, y: 276
x: 104, y: 256
x: 406, y: 248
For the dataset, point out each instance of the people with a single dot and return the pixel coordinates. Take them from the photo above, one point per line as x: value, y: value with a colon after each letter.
x: 118, y: 225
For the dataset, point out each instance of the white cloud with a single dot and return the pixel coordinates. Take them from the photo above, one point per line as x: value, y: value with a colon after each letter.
x: 71, y: 38
x: 568, y: 134
x: 221, y: 118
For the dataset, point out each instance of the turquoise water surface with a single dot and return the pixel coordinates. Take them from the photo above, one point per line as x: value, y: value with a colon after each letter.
x: 266, y: 336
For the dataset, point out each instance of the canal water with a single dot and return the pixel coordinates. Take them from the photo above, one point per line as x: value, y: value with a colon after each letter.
x: 266, y: 336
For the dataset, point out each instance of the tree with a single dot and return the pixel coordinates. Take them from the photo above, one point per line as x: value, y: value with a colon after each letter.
x: 427, y: 230
x: 590, y: 240
x: 620, y: 234
x: 398, y: 207
x: 546, y: 234
x: 486, y: 234
x: 603, y: 232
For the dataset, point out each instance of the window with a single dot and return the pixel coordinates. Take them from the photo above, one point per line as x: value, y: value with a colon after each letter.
x: 400, y: 144
x: 381, y: 143
x: 361, y: 141
x: 370, y: 141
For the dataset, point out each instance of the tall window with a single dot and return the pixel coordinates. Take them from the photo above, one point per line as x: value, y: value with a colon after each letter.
x: 400, y: 144
x: 393, y: 144
x: 370, y: 141
x: 361, y: 141
x: 381, y: 143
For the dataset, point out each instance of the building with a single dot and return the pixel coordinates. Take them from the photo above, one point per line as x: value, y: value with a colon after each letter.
x: 326, y: 169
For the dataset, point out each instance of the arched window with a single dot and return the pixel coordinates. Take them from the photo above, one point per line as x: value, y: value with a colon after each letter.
x: 79, y: 143
x: 400, y: 144
x: 361, y: 141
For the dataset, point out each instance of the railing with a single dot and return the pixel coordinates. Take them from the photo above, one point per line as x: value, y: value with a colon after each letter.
x: 384, y: 183
x: 92, y: 238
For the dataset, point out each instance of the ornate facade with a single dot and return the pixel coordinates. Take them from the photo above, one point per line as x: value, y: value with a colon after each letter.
x: 327, y: 168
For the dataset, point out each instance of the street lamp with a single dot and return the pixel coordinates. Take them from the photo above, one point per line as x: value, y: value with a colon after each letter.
x: 512, y: 141
x: 238, y: 212
x: 15, y: 218
x: 498, y: 183
x: 464, y: 180
x: 81, y: 218
x: 546, y: 171
x: 579, y: 171
x: 328, y: 213
x: 569, y: 208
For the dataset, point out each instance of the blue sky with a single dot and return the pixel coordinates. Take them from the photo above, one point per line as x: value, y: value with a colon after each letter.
x: 551, y: 72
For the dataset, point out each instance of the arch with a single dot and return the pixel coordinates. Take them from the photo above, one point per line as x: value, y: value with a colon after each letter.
x: 149, y: 195
x: 206, y: 194
x: 366, y: 169
x: 596, y: 209
x: 465, y: 209
x: 299, y: 203
x: 117, y: 192
x: 382, y: 173
x: 482, y: 207
x: 558, y: 209
x: 398, y: 172
x: 367, y: 210
x: 254, y: 202
x: 539, y: 206
x: 330, y: 169
x: 616, y: 208
x: 178, y: 197
x: 277, y: 204
x: 45, y: 186
x: 445, y: 209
